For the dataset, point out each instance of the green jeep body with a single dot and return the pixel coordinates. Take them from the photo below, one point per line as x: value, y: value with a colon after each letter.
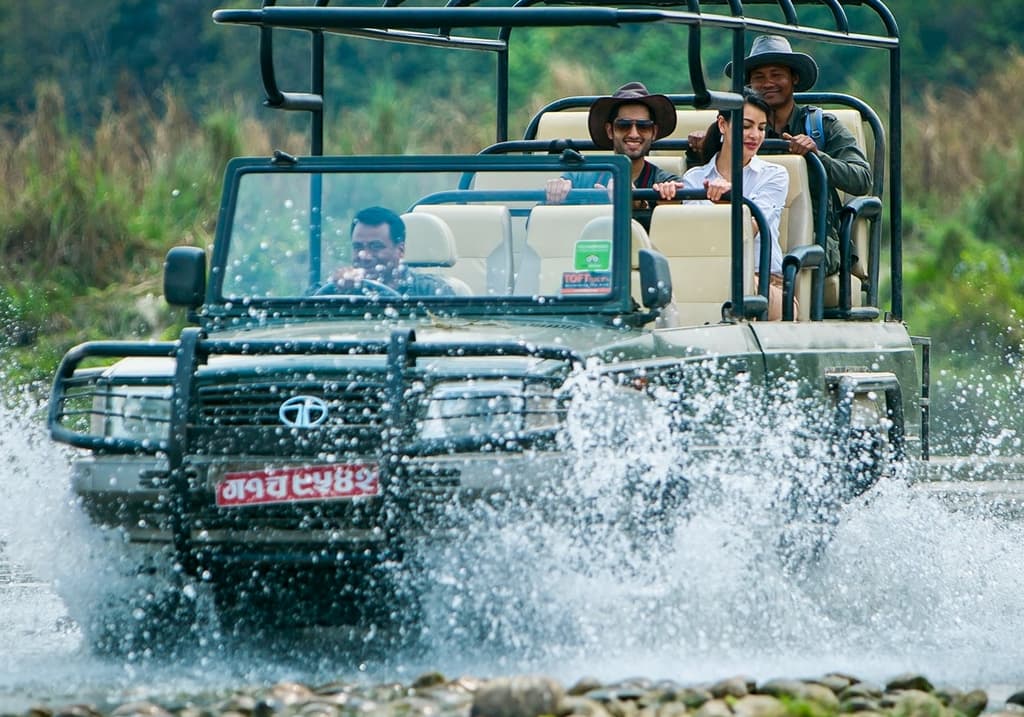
x: 300, y: 437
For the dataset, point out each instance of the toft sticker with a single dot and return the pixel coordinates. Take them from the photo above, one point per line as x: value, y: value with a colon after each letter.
x: 586, y: 282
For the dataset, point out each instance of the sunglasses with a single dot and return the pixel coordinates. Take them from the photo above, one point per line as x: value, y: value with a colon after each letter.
x: 641, y: 125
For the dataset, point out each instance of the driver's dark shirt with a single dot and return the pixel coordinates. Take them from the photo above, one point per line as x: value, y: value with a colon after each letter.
x: 412, y: 283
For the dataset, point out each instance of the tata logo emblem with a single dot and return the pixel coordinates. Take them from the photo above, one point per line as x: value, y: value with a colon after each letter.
x: 303, y: 412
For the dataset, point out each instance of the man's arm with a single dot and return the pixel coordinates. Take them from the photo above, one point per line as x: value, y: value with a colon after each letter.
x: 417, y: 284
x: 845, y: 164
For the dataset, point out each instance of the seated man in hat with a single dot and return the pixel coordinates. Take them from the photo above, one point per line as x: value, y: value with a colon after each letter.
x: 775, y: 71
x: 627, y: 122
x: 378, y: 245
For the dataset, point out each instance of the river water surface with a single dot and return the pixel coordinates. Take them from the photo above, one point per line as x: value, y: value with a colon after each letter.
x: 913, y: 580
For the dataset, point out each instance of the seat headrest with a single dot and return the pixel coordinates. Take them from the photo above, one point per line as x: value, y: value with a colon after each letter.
x: 428, y: 241
x: 601, y: 228
x: 598, y: 228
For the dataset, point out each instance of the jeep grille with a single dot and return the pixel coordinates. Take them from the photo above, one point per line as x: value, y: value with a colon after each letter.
x: 350, y: 403
x: 226, y: 413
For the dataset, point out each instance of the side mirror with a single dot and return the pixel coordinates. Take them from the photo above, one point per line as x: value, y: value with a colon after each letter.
x: 655, y: 279
x: 185, y: 276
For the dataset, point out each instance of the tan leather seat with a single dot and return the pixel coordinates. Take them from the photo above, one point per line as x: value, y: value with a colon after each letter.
x: 690, y: 120
x: 483, y: 239
x: 796, y: 228
x: 860, y: 130
x: 600, y: 228
x: 669, y: 162
x: 572, y: 124
x: 429, y: 243
x: 696, y: 240
x: 851, y: 119
x: 519, y: 210
x: 551, y: 236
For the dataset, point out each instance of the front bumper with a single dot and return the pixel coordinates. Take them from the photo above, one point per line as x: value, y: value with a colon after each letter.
x: 133, y: 495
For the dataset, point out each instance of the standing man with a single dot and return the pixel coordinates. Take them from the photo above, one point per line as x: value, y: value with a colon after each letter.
x: 774, y: 70
x: 627, y: 122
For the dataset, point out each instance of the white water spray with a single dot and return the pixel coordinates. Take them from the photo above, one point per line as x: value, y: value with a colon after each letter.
x: 609, y: 573
x: 595, y: 580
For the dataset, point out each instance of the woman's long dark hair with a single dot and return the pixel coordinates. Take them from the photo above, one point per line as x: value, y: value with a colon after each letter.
x: 713, y: 137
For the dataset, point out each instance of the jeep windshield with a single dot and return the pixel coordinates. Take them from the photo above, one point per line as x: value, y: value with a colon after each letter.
x: 477, y: 231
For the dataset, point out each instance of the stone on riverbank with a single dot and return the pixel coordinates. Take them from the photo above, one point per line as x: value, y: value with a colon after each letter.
x: 759, y: 706
x: 861, y: 689
x: 585, y: 685
x: 970, y: 704
x: 859, y: 704
x: 579, y: 706
x: 140, y: 709
x: 693, y: 697
x: 836, y: 682
x: 732, y: 687
x: 909, y: 682
x: 915, y: 703
x: 517, y: 697
x: 433, y: 695
x: 713, y: 708
x: 798, y: 690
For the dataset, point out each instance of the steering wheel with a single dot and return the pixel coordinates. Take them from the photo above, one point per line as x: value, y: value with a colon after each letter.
x: 365, y: 286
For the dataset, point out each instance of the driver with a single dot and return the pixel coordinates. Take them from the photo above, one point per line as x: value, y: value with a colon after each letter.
x: 378, y: 245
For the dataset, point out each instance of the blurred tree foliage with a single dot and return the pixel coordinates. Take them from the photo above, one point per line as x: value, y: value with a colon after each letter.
x: 110, y: 107
x: 102, y: 49
x: 130, y: 48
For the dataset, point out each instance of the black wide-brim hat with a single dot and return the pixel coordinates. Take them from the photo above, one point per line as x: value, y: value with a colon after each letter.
x: 663, y: 112
x: 775, y: 50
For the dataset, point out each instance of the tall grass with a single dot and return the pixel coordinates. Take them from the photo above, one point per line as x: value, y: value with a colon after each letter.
x: 955, y: 139
x: 963, y: 178
x: 86, y: 217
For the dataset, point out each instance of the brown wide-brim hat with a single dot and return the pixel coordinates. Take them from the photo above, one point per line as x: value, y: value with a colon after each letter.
x: 663, y: 112
x: 776, y: 50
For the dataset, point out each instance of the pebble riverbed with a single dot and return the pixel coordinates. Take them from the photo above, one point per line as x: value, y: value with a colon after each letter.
x: 434, y: 695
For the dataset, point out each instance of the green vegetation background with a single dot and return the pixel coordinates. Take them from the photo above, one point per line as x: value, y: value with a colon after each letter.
x: 117, y: 116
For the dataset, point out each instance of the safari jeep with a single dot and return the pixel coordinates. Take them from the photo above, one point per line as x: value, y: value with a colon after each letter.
x: 284, y: 450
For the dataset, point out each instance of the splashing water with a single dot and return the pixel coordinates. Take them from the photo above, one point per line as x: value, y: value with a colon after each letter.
x: 611, y: 571
x: 904, y: 583
x: 53, y: 566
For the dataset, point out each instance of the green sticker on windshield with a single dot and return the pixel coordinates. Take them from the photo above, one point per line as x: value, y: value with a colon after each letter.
x: 593, y: 255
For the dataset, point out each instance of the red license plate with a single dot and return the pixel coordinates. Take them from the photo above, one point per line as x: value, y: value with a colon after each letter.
x: 293, y: 485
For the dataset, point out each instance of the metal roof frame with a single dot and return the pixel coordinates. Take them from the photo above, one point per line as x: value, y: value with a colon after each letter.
x: 434, y: 26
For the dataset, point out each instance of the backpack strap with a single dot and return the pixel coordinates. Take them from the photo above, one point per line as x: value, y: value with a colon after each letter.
x: 814, y: 127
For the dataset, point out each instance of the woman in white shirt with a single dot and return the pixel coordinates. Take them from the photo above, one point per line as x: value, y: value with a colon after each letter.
x: 764, y: 183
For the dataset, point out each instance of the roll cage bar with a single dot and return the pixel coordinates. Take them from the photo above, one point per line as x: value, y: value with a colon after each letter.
x: 434, y: 26
x: 862, y: 206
